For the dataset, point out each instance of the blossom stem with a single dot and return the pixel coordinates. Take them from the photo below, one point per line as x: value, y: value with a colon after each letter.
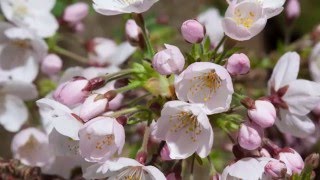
x: 145, y: 140
x: 218, y: 46
x: 64, y: 52
x: 141, y: 23
x: 129, y: 87
x: 125, y: 111
x: 117, y: 75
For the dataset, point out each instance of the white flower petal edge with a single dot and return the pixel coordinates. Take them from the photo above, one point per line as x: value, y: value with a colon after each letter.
x: 115, y: 7
x: 120, y: 168
x: 285, y: 71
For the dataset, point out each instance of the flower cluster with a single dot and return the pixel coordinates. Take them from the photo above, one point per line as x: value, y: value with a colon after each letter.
x: 147, y: 109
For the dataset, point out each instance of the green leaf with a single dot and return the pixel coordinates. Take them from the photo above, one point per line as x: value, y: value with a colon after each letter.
x: 45, y: 86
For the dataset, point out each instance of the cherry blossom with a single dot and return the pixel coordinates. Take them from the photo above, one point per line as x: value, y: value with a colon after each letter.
x: 314, y: 63
x: 100, y: 138
x: 33, y: 14
x: 293, y: 97
x: 205, y: 83
x: 31, y: 147
x: 244, y: 20
x: 186, y: 129
x: 169, y: 60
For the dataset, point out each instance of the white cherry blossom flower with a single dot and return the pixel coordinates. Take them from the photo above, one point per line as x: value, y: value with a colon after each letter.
x: 271, y: 8
x: 294, y: 98
x: 123, y: 168
x: 205, y: 83
x: 32, y: 14
x: 115, y: 7
x: 20, y: 52
x: 186, y: 129
x: 101, y: 138
x: 31, y: 147
x: 244, y: 20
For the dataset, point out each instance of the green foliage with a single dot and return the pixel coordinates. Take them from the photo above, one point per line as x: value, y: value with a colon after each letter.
x: 45, y: 86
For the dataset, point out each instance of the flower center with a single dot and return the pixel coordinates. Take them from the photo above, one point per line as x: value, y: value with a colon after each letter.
x: 132, y: 173
x: 25, y: 44
x: 186, y: 121
x: 106, y: 140
x: 209, y: 81
x: 130, y: 2
x: 244, y: 19
x: 20, y: 10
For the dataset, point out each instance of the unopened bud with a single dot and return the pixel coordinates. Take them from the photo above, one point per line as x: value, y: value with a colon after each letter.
x: 312, y: 160
x: 264, y: 114
x: 249, y: 136
x: 193, y: 31
x: 51, y: 64
x: 292, y: 159
x: 276, y: 169
x: 238, y: 64
x: 72, y: 92
x: 134, y: 33
x: 93, y: 107
x: 141, y: 157
x: 293, y: 9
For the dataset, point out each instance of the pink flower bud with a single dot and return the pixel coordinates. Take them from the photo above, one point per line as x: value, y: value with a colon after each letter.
x: 76, y: 12
x: 292, y: 159
x: 293, y: 9
x: 192, y: 31
x: 264, y: 113
x: 51, y: 64
x: 238, y: 64
x: 79, y: 27
x: 142, y: 157
x: 133, y: 32
x: 275, y: 169
x: 249, y: 136
x: 72, y: 92
x: 168, y: 61
x: 165, y: 153
x: 92, y: 107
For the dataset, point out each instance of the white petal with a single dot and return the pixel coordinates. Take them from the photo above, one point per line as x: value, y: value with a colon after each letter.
x: 61, y: 117
x: 299, y: 126
x: 62, y: 145
x: 121, y: 54
x: 13, y: 113
x: 302, y: 96
x: 155, y: 173
x: 23, y: 90
x: 285, y: 71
